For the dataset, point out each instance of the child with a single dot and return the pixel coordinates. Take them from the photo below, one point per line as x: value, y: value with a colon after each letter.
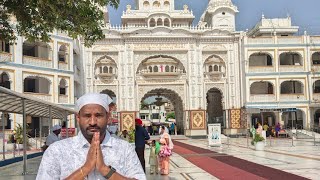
x: 153, y: 160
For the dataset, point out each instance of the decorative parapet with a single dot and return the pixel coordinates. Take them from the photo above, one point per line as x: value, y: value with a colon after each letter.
x: 292, y: 97
x: 161, y: 75
x: 37, y: 61
x: 291, y: 68
x: 5, y: 57
x: 262, y: 98
x: 261, y: 69
x: 63, y: 99
x: 63, y: 66
x: 44, y: 97
x: 316, y: 97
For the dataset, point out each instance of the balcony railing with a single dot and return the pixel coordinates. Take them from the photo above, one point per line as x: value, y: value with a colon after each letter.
x: 42, y: 96
x: 37, y: 61
x: 261, y: 40
x: 315, y: 39
x: 292, y: 97
x: 315, y: 68
x: 316, y: 97
x: 63, y: 99
x: 290, y: 40
x: 291, y: 68
x: 160, y: 74
x: 261, y: 69
x: 262, y: 98
x: 63, y: 66
x: 5, y: 57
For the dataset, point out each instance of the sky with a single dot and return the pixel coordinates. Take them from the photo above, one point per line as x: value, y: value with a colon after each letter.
x: 304, y: 13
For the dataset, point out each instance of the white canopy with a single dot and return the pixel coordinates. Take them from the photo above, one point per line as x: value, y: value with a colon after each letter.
x: 14, y: 102
x: 11, y: 102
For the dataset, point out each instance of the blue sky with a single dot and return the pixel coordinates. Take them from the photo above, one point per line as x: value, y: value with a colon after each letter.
x: 304, y: 13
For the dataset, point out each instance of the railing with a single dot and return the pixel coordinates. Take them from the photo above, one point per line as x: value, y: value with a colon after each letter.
x: 315, y: 68
x: 291, y: 68
x: 261, y: 69
x: 63, y: 66
x: 63, y: 99
x: 290, y: 40
x: 160, y: 73
x: 316, y: 97
x: 315, y: 39
x: 42, y: 96
x: 5, y: 57
x: 261, y: 40
x: 262, y: 98
x: 292, y: 97
x: 37, y: 61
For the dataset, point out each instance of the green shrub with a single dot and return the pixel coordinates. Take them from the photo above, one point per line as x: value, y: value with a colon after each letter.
x: 257, y: 138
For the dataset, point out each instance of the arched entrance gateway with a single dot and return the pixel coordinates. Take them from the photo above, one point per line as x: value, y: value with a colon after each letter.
x: 214, y: 107
x: 174, y: 103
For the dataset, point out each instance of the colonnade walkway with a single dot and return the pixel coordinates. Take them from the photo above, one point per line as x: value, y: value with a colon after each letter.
x: 194, y: 159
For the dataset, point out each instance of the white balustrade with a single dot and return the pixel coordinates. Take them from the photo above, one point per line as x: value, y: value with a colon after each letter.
x: 315, y: 39
x: 261, y: 69
x: 292, y: 97
x: 316, y: 97
x: 261, y: 40
x: 291, y: 68
x: 63, y: 99
x: 44, y: 97
x: 5, y: 57
x: 63, y: 66
x: 315, y: 68
x: 37, y: 61
x: 262, y: 98
x: 290, y: 40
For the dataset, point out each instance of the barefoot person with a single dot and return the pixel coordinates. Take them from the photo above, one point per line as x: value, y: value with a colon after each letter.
x: 93, y: 153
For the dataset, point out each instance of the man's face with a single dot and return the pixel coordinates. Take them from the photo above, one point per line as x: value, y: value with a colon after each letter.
x: 93, y: 118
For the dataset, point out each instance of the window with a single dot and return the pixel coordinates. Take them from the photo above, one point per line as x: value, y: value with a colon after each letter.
x: 167, y: 68
x: 155, y: 115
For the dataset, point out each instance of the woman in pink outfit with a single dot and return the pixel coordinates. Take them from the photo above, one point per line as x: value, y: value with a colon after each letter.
x: 165, y: 151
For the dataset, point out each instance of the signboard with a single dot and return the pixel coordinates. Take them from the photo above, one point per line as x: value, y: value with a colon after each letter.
x: 214, y: 136
x: 71, y: 132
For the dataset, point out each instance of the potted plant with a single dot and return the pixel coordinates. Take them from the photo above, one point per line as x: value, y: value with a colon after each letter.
x: 18, y: 136
x: 257, y: 141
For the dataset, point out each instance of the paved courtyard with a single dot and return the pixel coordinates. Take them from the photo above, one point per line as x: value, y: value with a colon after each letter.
x: 302, y: 160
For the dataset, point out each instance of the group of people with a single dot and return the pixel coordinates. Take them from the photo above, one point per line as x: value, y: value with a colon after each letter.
x: 96, y: 154
x: 270, y: 130
x: 156, y: 129
x: 160, y: 150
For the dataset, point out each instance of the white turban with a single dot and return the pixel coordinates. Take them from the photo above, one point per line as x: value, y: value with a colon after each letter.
x: 94, y: 98
x: 56, y: 127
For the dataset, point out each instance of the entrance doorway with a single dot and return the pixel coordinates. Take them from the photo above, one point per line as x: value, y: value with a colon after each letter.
x: 214, y: 107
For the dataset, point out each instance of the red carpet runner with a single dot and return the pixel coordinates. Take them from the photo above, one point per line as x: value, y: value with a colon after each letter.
x: 224, y: 166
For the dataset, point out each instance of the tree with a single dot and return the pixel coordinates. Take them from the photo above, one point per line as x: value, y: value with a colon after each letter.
x: 171, y: 115
x: 35, y: 19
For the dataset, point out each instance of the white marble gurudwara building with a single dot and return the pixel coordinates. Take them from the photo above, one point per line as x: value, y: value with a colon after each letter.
x: 211, y: 73
x: 157, y: 51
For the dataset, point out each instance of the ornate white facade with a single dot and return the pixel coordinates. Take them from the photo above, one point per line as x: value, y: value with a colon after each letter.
x: 156, y: 50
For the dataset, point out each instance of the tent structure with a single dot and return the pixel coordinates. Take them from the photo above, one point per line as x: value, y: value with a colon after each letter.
x: 14, y: 102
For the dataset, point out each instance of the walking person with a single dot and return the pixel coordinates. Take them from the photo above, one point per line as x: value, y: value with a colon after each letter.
x: 165, y: 151
x: 141, y: 136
